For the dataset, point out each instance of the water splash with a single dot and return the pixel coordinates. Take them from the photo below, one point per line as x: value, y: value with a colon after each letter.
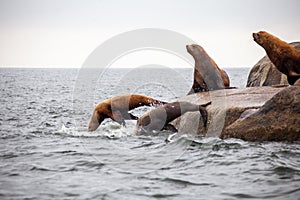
x: 110, y: 130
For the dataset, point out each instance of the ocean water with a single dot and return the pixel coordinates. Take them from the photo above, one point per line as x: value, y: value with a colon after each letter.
x: 47, y: 153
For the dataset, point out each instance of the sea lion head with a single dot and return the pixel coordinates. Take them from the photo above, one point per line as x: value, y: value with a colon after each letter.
x: 195, y: 50
x: 191, y: 48
x: 261, y: 37
x: 95, y: 121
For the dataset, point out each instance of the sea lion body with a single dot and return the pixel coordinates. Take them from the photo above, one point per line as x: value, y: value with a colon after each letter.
x: 116, y: 108
x: 158, y: 119
x: 285, y: 57
x: 207, y: 75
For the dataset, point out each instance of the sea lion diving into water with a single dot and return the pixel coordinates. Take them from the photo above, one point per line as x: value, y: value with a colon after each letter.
x: 116, y: 108
x: 285, y: 57
x: 207, y: 75
x: 159, y: 118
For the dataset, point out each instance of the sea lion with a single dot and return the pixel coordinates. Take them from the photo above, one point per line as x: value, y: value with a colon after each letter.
x: 207, y: 75
x: 285, y: 57
x: 117, y: 109
x: 159, y: 118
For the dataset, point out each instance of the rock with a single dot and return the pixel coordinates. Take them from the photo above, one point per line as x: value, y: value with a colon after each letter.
x: 264, y: 73
x: 277, y: 120
x: 231, y: 110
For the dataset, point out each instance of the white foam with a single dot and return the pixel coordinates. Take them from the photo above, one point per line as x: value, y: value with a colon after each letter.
x: 110, y: 129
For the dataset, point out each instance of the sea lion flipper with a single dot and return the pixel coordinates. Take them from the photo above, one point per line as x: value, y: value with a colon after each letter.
x: 204, y: 114
x: 293, y: 79
x: 206, y: 104
x: 133, y: 117
x: 170, y: 127
x: 117, y: 117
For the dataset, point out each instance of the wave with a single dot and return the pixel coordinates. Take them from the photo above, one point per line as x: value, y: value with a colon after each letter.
x: 180, y: 181
x: 46, y: 169
x: 279, y: 194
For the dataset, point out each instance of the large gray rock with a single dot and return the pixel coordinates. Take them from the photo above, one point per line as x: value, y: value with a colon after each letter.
x: 277, y: 120
x: 264, y: 73
x: 230, y: 107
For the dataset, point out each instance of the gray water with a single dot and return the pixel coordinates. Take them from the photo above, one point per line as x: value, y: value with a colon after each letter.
x: 47, y: 153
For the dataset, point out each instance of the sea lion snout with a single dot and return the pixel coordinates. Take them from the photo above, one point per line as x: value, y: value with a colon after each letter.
x: 255, y: 36
x: 258, y: 37
x: 189, y: 49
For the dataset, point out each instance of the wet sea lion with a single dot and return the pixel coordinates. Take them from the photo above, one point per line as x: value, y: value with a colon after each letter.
x: 117, y: 108
x: 159, y: 118
x: 285, y: 57
x: 207, y: 75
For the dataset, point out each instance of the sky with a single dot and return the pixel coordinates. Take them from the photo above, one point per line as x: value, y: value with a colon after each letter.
x: 63, y: 33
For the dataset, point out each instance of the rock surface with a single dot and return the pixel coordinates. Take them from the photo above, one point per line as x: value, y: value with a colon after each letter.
x: 277, y: 120
x: 232, y: 110
x: 264, y: 73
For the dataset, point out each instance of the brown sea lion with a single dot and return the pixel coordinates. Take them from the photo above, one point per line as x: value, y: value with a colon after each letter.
x: 285, y: 57
x: 207, y: 75
x: 117, y: 108
x: 159, y: 118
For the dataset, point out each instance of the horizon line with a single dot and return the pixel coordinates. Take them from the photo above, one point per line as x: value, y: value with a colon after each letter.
x: 114, y: 67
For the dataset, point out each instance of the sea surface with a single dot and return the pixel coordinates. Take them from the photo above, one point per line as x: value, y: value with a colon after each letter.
x: 47, y: 153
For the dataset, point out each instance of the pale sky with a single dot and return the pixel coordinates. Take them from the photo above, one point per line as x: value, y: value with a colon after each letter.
x: 62, y: 33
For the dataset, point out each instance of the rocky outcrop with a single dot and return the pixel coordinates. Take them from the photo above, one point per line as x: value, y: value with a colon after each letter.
x: 236, y: 112
x: 277, y: 120
x: 264, y: 73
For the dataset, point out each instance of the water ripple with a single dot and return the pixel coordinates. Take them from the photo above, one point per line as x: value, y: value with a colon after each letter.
x: 64, y: 169
x: 184, y: 182
x: 46, y: 151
